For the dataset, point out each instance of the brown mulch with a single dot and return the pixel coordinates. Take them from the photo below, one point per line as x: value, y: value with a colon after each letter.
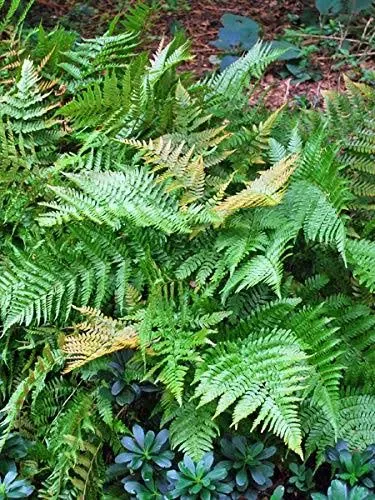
x: 201, y: 23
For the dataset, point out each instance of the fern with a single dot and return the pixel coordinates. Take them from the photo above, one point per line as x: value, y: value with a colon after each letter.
x: 138, y: 200
x: 236, y: 76
x: 67, y: 430
x: 265, y: 267
x: 351, y: 117
x: 192, y: 430
x: 34, y: 383
x: 92, y: 56
x: 355, y: 424
x: 16, y: 9
x: 98, y: 336
x: 266, y: 190
x: 89, y: 269
x: 361, y: 256
x: 132, y: 188
x: 270, y: 383
x: 29, y: 113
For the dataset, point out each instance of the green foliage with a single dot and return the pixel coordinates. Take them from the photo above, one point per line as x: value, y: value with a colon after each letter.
x: 353, y: 468
x: 123, y: 387
x: 192, y: 430
x: 11, y: 487
x: 250, y: 462
x: 277, y: 368
x: 15, y: 13
x: 340, y: 6
x: 145, y: 450
x: 339, y: 490
x: 229, y: 248
x: 200, y: 479
x: 278, y: 494
x: 302, y: 477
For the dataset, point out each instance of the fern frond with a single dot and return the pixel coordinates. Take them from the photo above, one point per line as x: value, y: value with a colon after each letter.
x: 110, y: 198
x: 265, y: 373
x: 34, y: 382
x: 319, y: 339
x: 235, y: 77
x: 356, y: 424
x: 310, y: 209
x: 29, y: 113
x: 91, y: 57
x: 16, y: 9
x: 192, y: 430
x: 265, y: 267
x: 96, y: 337
x: 361, y: 257
x: 85, y: 273
x: 266, y: 190
x: 74, y: 454
x: 136, y: 17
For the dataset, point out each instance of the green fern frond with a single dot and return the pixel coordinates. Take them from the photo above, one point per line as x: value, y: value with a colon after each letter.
x: 88, y: 271
x: 350, y: 115
x: 265, y: 267
x: 235, y: 77
x: 265, y: 372
x: 91, y: 57
x: 136, y: 17
x: 16, y: 9
x: 28, y: 110
x: 356, y: 424
x: 310, y: 209
x: 320, y: 340
x: 75, y: 457
x: 361, y: 257
x: 192, y: 430
x: 111, y: 198
x: 34, y: 383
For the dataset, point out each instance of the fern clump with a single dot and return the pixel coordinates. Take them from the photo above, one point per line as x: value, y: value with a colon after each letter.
x: 230, y: 250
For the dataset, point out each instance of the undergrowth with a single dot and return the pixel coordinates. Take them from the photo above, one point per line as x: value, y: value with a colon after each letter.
x: 172, y: 256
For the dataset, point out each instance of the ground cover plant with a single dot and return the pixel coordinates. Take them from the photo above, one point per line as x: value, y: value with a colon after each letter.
x: 186, y: 284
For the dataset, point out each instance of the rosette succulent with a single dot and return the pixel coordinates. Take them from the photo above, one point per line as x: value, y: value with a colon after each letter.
x: 124, y: 387
x: 145, y: 451
x: 11, y: 487
x: 249, y: 462
x: 356, y: 467
x: 202, y: 480
x: 302, y: 477
x: 341, y: 491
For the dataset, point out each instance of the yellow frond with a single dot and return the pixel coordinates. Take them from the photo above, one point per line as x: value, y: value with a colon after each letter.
x: 96, y: 337
x: 266, y: 190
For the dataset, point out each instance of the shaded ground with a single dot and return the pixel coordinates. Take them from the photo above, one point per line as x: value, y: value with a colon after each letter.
x: 200, y: 19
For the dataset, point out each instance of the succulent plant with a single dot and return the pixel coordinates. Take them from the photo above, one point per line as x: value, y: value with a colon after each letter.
x: 15, y: 447
x: 249, y: 461
x: 302, y: 477
x: 341, y: 491
x: 124, y: 388
x: 146, y: 490
x: 11, y: 487
x: 145, y: 451
x: 353, y: 467
x: 202, y: 480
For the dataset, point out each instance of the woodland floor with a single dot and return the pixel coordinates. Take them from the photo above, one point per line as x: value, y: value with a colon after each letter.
x: 201, y: 22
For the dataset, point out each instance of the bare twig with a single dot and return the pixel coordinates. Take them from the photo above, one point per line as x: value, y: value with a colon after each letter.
x: 326, y: 37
